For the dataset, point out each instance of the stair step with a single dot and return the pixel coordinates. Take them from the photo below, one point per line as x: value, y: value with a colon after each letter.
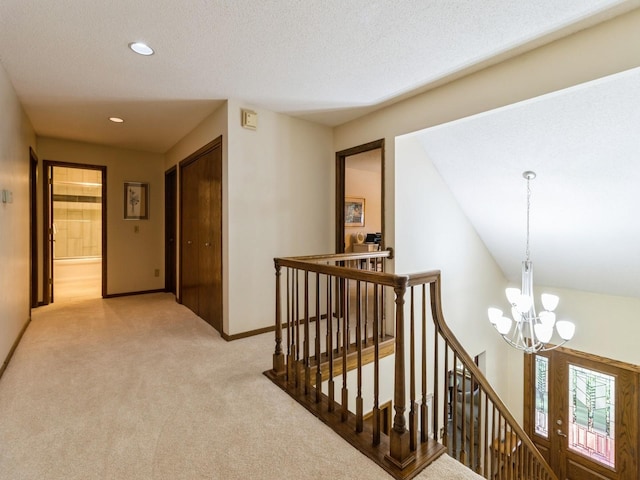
x: 386, y: 347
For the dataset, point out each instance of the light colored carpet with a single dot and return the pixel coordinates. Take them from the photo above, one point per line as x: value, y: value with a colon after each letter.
x: 140, y: 388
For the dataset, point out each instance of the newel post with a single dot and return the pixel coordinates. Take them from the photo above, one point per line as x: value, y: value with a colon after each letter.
x: 278, y: 356
x: 400, y: 453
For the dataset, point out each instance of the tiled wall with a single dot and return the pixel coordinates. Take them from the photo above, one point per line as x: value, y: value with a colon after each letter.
x: 77, y: 212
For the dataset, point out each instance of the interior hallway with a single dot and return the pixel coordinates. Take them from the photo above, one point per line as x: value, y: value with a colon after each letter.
x: 139, y: 387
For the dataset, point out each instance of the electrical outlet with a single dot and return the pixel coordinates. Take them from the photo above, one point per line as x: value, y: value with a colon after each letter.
x: 156, y: 272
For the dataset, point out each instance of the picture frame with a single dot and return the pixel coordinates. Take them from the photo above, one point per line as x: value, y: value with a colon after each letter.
x: 136, y: 201
x: 354, y: 212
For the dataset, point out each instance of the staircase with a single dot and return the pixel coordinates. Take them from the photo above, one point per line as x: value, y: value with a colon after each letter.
x: 369, y: 354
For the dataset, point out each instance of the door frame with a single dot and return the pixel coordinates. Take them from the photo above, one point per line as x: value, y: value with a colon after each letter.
x: 341, y: 157
x: 47, y: 217
x: 33, y: 229
x: 626, y: 414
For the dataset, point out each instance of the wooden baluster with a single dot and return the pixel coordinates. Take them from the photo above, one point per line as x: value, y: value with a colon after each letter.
x: 330, y: 393
x: 376, y: 368
x: 290, y: 341
x: 436, y: 391
x: 424, y: 411
x: 399, y: 452
x: 307, y: 339
x: 382, y: 328
x: 486, y: 434
x: 296, y: 320
x: 502, y: 431
x: 359, y: 401
x: 345, y: 348
x: 472, y: 430
x: 413, y: 410
x: 366, y: 311
x: 508, y: 447
x: 340, y: 310
x: 278, y: 356
x: 454, y: 407
x: 318, y: 352
x: 464, y: 420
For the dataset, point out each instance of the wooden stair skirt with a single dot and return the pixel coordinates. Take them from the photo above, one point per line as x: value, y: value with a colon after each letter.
x: 345, y: 423
x: 425, y: 453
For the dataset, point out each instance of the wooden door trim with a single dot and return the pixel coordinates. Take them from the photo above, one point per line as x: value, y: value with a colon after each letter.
x: 171, y: 173
x: 33, y: 228
x: 627, y: 405
x: 340, y: 188
x: 46, y: 206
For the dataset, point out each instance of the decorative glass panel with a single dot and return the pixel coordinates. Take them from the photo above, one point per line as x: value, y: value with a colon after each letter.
x: 542, y: 396
x: 592, y: 414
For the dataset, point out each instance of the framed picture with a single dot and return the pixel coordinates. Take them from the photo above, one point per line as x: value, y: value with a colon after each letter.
x: 136, y: 201
x: 353, y: 212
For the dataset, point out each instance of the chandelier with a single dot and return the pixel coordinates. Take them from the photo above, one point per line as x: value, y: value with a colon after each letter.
x: 529, y: 331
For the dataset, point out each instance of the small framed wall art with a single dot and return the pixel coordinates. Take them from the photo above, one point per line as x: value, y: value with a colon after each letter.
x: 136, y: 201
x: 353, y: 212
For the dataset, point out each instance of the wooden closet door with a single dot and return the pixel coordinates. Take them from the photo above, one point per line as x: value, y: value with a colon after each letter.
x: 201, y: 233
x: 210, y: 234
x: 189, y: 236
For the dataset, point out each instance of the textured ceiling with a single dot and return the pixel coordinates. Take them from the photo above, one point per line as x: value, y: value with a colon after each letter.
x: 583, y: 144
x: 328, y: 60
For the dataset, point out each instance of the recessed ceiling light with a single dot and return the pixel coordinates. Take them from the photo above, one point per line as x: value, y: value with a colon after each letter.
x: 116, y: 119
x: 141, y: 48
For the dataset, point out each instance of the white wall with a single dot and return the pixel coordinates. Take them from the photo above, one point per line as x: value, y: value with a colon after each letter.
x: 16, y: 136
x: 281, y: 203
x: 606, y: 325
x: 132, y: 257
x: 432, y: 233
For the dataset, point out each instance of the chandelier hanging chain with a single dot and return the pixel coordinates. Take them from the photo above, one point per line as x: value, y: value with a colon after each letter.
x: 527, y: 251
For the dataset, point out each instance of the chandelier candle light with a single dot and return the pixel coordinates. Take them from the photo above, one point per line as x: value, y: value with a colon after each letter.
x: 531, y: 333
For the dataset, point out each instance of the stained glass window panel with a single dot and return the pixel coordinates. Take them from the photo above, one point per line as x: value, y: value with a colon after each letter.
x: 592, y: 414
x: 542, y: 396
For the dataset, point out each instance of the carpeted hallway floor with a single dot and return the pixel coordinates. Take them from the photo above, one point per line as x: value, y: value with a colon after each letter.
x: 140, y: 388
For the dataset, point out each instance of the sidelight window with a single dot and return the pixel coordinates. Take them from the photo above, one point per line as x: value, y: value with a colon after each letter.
x: 542, y: 396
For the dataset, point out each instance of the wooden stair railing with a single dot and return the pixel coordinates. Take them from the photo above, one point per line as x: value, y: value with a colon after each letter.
x: 333, y: 322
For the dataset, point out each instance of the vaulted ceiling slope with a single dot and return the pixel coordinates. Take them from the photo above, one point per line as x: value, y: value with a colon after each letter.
x: 582, y: 143
x: 329, y: 61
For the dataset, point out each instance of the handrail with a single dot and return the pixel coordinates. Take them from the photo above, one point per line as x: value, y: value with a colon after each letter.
x: 479, y: 378
x: 350, y: 296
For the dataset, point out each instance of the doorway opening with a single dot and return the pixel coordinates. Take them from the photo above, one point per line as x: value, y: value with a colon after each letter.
x: 360, y: 198
x: 75, y: 217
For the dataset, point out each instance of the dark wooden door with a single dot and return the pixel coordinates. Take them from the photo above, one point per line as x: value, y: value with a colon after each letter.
x: 582, y: 413
x: 189, y: 275
x: 201, y: 233
x: 170, y: 256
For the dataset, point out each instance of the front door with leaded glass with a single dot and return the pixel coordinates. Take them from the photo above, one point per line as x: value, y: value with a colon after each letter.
x: 582, y: 413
